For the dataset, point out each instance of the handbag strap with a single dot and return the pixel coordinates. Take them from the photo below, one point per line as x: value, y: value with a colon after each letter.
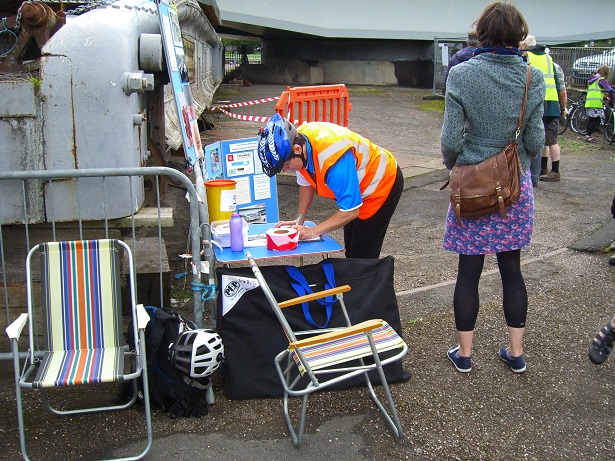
x: 302, y: 287
x: 528, y: 79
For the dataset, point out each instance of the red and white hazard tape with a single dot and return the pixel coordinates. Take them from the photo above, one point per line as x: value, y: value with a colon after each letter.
x: 249, y: 118
x: 247, y: 103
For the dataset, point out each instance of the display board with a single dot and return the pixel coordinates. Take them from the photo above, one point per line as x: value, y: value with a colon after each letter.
x: 178, y: 75
x: 237, y: 159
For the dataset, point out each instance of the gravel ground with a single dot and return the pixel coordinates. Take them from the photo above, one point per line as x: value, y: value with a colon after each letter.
x: 553, y: 411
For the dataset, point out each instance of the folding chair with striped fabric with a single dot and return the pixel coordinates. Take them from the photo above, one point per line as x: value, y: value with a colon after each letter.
x: 82, y: 325
x: 330, y: 356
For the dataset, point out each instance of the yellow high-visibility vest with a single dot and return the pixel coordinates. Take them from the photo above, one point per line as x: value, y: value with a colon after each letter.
x: 545, y: 64
x: 594, y: 95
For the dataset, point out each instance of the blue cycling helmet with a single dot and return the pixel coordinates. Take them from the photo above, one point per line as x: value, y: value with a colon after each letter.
x: 275, y: 141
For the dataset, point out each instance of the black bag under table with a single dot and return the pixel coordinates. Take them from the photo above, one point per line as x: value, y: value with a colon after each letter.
x: 252, y: 335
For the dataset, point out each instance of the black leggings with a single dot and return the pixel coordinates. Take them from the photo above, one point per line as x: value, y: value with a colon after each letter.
x: 363, y: 238
x: 514, y: 293
x: 592, y: 124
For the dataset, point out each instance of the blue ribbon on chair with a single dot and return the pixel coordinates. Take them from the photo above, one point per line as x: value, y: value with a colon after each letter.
x: 302, y: 287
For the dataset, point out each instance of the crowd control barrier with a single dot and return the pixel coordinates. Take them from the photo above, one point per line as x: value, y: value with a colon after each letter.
x: 322, y: 103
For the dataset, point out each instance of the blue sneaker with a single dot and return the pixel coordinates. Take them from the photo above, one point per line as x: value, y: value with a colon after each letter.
x: 516, y: 364
x: 463, y: 364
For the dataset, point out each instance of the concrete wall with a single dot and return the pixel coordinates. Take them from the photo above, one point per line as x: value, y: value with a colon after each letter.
x: 360, y: 72
x: 331, y: 61
x: 286, y: 73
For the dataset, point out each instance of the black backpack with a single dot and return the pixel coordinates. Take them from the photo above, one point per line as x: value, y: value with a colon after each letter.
x: 167, y: 388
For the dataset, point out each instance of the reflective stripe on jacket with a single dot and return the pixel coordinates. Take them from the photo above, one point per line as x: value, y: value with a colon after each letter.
x: 594, y: 94
x: 545, y: 64
x: 376, y: 167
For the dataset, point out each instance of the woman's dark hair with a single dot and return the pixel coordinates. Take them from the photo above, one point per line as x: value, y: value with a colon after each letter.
x: 501, y: 24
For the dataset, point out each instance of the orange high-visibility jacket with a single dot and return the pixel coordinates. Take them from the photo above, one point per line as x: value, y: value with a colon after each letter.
x: 376, y: 167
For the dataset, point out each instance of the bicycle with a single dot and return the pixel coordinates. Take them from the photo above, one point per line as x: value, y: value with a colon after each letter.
x: 577, y: 118
x: 578, y: 122
x: 609, y: 126
x: 571, y: 105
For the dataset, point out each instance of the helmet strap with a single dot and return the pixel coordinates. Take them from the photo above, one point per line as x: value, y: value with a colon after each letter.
x: 302, y: 155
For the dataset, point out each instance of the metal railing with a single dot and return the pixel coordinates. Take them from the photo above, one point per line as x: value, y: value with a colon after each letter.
x: 233, y: 59
x: 578, y: 63
x: 17, y: 238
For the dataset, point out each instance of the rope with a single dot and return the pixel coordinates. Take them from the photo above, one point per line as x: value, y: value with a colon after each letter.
x: 6, y: 29
x: 209, y: 291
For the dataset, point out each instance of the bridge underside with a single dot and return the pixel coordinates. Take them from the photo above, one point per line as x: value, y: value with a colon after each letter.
x: 351, y: 61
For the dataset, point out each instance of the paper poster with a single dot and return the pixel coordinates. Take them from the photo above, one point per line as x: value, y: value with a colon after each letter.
x: 178, y: 76
x: 213, y: 163
x: 256, y: 193
x: 262, y: 187
x: 244, y: 191
x: 239, y: 164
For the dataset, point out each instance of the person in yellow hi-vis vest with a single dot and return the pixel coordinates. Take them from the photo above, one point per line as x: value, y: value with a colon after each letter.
x: 597, y: 89
x: 337, y: 163
x: 555, y: 108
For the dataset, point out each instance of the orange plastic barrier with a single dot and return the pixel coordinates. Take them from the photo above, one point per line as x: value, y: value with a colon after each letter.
x: 324, y: 103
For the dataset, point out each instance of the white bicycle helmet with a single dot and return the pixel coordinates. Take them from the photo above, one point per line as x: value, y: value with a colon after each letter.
x: 197, y: 353
x: 185, y: 324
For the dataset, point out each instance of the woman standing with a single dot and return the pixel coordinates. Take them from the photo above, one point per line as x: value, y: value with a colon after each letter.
x: 483, y: 103
x: 597, y: 88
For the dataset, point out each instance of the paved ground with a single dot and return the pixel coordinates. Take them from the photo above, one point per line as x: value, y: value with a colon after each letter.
x: 560, y: 409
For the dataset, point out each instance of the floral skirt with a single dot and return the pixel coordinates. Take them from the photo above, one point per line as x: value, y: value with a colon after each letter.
x: 492, y: 233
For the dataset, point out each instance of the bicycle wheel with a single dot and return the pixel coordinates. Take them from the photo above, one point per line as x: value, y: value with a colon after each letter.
x: 563, y: 125
x: 578, y: 120
x: 609, y: 126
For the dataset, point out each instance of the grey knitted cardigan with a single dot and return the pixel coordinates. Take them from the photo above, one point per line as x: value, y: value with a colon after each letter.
x: 483, y: 101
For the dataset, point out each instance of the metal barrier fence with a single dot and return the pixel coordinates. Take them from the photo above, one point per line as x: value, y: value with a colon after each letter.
x: 147, y: 245
x: 322, y: 103
x: 233, y: 59
x: 578, y: 63
x: 443, y: 50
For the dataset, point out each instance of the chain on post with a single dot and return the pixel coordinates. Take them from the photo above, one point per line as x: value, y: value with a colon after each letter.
x: 90, y: 5
x: 18, y: 19
x: 87, y: 6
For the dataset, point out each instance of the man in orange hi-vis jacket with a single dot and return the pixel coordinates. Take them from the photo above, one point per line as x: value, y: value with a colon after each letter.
x: 334, y: 162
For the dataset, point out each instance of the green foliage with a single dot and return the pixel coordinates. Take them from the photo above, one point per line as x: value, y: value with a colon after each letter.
x: 37, y: 83
x: 432, y: 105
x: 251, y: 45
x: 366, y: 90
x: 607, y: 42
x: 571, y: 142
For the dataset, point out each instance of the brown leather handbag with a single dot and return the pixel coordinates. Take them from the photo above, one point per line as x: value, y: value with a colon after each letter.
x: 493, y: 184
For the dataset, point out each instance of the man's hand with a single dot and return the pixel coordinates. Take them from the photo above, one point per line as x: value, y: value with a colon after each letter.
x: 285, y: 224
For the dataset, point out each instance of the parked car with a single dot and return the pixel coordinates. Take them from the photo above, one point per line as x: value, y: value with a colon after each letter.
x: 584, y: 68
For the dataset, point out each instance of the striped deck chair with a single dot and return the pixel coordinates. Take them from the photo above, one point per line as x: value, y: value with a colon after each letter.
x: 326, y: 357
x: 82, y: 325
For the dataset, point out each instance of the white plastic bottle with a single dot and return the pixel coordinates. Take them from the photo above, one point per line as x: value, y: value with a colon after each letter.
x: 236, y: 230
